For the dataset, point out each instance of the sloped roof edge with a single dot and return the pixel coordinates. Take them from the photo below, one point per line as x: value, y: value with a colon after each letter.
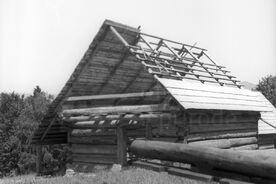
x: 50, y: 116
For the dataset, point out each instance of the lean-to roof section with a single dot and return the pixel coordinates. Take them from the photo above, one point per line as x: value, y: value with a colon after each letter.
x: 193, y: 95
x: 267, y: 122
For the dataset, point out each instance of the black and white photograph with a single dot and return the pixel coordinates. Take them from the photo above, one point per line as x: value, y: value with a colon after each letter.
x: 137, y: 92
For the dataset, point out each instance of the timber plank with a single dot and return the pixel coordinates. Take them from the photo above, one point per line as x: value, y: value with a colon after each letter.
x: 94, y: 149
x: 221, y: 127
x: 93, y: 141
x: 96, y: 159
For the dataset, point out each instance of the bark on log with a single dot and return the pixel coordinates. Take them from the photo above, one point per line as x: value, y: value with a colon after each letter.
x: 221, y: 135
x: 256, y: 165
x: 226, y: 143
x: 246, y: 147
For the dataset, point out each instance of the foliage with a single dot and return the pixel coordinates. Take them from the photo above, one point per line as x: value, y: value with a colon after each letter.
x: 19, y: 117
x: 267, y: 85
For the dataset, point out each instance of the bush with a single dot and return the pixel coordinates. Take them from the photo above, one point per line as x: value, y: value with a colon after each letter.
x: 19, y: 117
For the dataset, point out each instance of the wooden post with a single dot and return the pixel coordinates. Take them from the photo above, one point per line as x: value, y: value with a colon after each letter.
x: 148, y: 131
x: 121, y: 146
x: 38, y: 159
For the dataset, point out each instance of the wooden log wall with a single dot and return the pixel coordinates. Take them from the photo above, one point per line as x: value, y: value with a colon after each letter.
x: 222, y: 129
x: 267, y: 141
x: 93, y: 147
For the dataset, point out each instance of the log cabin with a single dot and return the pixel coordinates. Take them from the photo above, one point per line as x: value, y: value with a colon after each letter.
x: 132, y: 85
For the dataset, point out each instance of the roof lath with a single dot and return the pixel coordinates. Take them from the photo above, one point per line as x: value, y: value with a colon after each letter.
x: 170, y: 59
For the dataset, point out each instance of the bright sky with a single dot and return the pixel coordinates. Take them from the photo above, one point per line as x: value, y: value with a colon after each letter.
x: 41, y: 41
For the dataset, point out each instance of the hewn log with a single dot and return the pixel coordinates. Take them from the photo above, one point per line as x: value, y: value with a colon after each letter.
x: 226, y: 143
x: 230, y: 160
x: 120, y: 109
x: 149, y: 116
x: 93, y: 133
x: 196, y: 128
x: 121, y: 146
x: 115, y: 96
x: 93, y: 141
x: 94, y: 149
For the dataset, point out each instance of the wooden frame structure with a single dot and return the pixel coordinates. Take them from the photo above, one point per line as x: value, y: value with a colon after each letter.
x: 131, y: 85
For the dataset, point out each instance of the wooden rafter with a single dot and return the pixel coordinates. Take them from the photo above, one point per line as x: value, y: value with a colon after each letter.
x: 166, y: 64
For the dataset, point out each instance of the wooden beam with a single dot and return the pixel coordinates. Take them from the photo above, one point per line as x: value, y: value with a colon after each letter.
x: 88, y: 120
x: 38, y: 159
x: 118, y: 35
x: 152, y: 36
x: 120, y: 109
x: 115, y: 96
x: 121, y: 146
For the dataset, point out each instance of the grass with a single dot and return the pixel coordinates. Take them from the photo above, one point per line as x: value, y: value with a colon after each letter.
x: 128, y: 176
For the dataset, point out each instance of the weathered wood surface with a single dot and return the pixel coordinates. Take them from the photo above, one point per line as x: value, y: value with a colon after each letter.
x: 202, y: 96
x: 95, y: 133
x: 226, y: 143
x: 93, y: 141
x: 148, y: 116
x: 228, y: 134
x: 112, y: 96
x: 267, y: 141
x: 122, y: 140
x: 120, y: 109
x: 258, y: 165
x: 94, y: 149
x: 96, y: 159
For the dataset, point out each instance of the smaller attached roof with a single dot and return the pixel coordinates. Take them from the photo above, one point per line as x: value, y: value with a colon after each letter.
x: 193, y: 95
x: 267, y: 123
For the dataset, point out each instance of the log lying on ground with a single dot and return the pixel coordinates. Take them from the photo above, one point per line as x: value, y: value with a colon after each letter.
x: 256, y: 164
x: 226, y: 143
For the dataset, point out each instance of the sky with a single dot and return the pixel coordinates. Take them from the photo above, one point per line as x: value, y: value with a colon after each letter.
x: 41, y: 42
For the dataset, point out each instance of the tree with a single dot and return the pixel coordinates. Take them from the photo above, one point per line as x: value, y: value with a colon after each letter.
x: 19, y: 117
x: 267, y: 85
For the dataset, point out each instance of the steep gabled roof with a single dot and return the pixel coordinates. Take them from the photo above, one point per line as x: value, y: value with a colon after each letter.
x: 122, y: 59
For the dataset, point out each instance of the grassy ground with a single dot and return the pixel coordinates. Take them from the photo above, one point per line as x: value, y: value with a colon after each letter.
x: 129, y: 176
